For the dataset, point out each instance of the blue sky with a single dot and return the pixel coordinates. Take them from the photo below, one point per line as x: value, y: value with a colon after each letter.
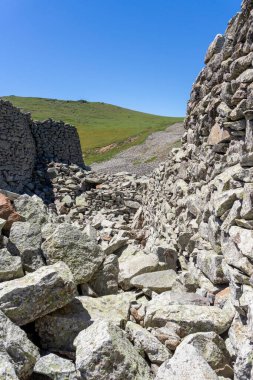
x: 139, y: 54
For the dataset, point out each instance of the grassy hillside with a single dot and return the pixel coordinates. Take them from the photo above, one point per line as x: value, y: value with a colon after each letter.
x: 104, y: 129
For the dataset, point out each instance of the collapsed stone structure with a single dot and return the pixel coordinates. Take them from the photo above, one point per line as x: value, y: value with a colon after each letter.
x: 176, y: 276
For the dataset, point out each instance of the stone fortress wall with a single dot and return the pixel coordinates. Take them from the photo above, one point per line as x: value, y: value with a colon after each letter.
x: 199, y: 203
x: 24, y: 142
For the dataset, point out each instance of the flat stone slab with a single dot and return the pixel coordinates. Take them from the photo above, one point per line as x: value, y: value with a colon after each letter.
x: 157, y: 281
x: 192, y: 318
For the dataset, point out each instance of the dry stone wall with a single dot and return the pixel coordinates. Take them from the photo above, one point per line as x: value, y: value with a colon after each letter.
x: 199, y: 203
x: 25, y: 143
x: 17, y: 147
x: 57, y: 141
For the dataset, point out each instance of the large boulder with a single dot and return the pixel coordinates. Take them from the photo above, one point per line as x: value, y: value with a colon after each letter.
x: 55, y: 367
x: 104, y: 352
x: 72, y: 246
x: 147, y: 344
x: 25, y: 240
x: 59, y: 329
x: 17, y: 350
x: 25, y: 299
x: 187, y: 363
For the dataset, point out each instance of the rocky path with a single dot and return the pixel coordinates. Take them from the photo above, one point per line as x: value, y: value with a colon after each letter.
x: 142, y: 159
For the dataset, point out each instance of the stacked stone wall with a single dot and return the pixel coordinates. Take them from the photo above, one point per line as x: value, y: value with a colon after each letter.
x: 57, y: 141
x: 26, y: 145
x: 17, y: 148
x: 199, y: 203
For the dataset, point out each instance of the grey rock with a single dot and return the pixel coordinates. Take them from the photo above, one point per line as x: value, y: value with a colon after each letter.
x: 147, y: 343
x: 10, y: 266
x: 117, y: 242
x: 187, y: 363
x: 134, y: 264
x: 105, y: 280
x: 17, y: 349
x: 211, y: 265
x: 224, y: 201
x: 156, y: 281
x: 25, y: 299
x: 103, y: 351
x: 215, y: 47
x: 32, y: 209
x: 243, y: 239
x: 7, y: 371
x: 213, y: 349
x: 55, y: 368
x: 192, y: 318
x: 25, y: 240
x: 244, y: 362
x: 70, y: 245
x: 59, y: 329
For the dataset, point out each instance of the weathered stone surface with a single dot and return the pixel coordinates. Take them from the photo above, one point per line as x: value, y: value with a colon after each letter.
x: 105, y: 280
x: 223, y: 202
x: 56, y: 367
x: 187, y: 363
x: 18, y: 350
x: 32, y: 209
x: 157, y: 281
x: 192, y: 318
x: 10, y: 266
x: 59, y: 329
x: 234, y: 257
x: 147, y: 343
x: 7, y: 371
x: 25, y: 299
x: 115, y: 244
x: 243, y: 239
x: 103, y: 351
x: 213, y: 349
x: 247, y: 203
x: 210, y: 264
x: 218, y: 135
x: 244, y: 363
x: 25, y: 240
x: 134, y: 265
x: 70, y: 245
x: 215, y: 47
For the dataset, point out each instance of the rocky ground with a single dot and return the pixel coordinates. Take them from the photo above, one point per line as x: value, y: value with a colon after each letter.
x: 85, y: 299
x: 142, y: 159
x: 127, y: 277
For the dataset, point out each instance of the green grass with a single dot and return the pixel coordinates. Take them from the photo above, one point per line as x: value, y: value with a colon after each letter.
x: 98, y: 124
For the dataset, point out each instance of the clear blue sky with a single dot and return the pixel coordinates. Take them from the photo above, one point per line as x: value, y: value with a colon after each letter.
x: 140, y: 54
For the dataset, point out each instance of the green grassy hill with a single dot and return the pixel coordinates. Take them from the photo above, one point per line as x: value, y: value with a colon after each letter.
x: 104, y: 129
